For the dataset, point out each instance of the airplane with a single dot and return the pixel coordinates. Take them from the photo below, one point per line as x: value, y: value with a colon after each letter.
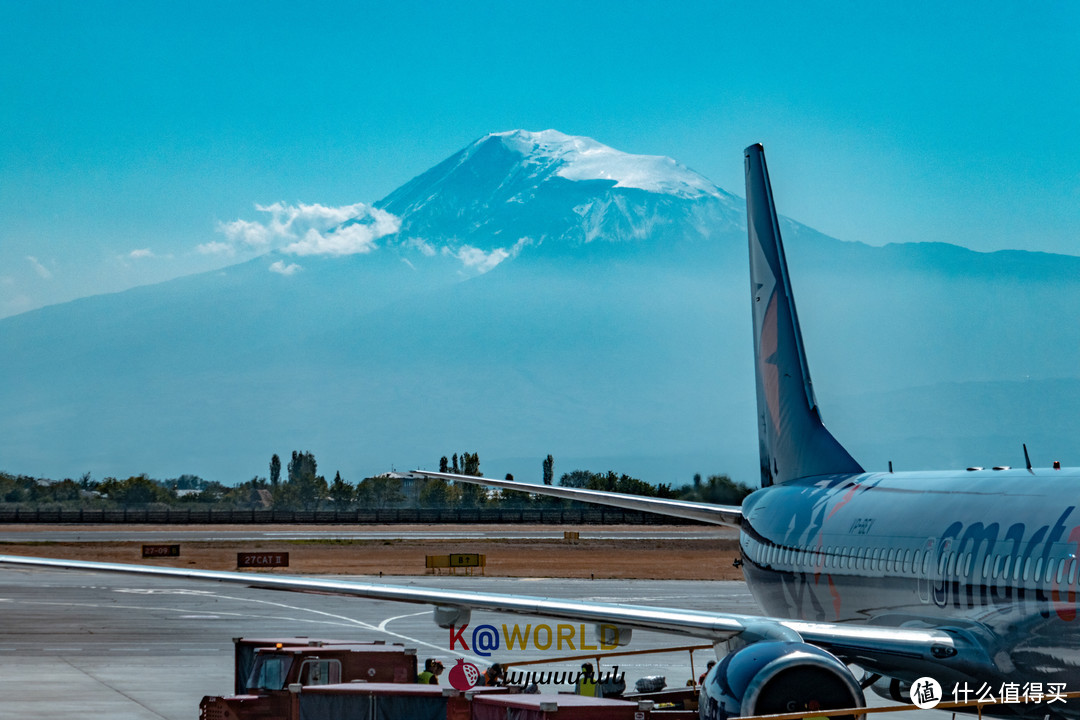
x: 968, y: 577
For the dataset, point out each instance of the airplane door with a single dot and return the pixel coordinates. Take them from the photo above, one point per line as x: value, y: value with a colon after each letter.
x: 926, y: 578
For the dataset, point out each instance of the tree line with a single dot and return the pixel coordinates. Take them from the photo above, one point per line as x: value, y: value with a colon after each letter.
x: 301, y: 487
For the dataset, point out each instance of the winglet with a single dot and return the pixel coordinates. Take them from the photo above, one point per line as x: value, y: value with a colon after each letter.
x: 793, y: 442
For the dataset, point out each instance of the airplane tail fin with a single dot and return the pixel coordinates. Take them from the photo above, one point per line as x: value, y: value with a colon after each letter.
x: 792, y: 440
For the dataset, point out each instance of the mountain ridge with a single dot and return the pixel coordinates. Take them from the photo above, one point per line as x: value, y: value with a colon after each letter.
x: 522, y: 328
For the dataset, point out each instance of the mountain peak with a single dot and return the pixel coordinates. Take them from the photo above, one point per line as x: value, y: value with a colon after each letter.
x: 579, y: 158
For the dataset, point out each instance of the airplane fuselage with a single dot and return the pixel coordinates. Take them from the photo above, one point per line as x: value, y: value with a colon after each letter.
x: 994, y: 552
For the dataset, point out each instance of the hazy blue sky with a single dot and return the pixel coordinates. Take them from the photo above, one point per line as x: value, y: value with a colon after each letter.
x: 130, y: 130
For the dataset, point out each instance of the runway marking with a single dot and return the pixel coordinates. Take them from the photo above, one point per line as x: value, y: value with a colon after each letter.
x: 353, y: 621
x: 160, y: 591
x: 383, y: 624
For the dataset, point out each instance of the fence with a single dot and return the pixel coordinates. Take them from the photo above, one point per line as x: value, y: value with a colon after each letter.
x: 480, y: 516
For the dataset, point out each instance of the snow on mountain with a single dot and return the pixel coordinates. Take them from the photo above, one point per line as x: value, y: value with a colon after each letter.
x: 555, y: 192
x: 582, y: 158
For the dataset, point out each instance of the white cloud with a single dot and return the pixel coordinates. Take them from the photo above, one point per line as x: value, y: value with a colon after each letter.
x: 308, y: 230
x: 282, y: 269
x: 216, y: 248
x: 42, y: 271
x: 141, y: 253
x: 477, y: 259
x: 426, y: 249
x: 247, y: 233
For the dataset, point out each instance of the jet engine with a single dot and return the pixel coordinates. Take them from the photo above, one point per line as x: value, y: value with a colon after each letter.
x: 771, y: 677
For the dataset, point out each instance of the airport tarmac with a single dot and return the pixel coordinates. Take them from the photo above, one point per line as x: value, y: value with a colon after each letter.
x: 77, y: 644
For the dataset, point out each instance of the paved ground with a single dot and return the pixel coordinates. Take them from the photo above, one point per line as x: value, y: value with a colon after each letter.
x: 93, y: 645
x: 75, y: 645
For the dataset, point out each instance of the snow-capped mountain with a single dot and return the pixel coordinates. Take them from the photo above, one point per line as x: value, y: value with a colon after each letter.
x: 558, y: 192
x: 537, y: 293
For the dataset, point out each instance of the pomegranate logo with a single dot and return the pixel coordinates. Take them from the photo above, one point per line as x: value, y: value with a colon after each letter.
x: 464, y: 676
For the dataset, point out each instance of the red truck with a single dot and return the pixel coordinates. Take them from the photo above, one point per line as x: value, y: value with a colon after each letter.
x: 264, y: 670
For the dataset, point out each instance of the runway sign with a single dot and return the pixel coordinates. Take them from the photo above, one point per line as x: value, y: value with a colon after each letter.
x: 262, y: 559
x: 468, y: 560
x: 152, y: 551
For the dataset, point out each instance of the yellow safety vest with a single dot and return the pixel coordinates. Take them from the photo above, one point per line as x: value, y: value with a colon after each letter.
x: 586, y: 687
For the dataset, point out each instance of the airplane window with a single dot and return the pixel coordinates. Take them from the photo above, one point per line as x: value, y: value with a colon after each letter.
x: 952, y: 564
x: 926, y: 564
x: 1072, y: 571
x: 1037, y: 575
x: 1061, y: 571
x: 907, y: 562
x: 915, y: 561
x: 890, y: 562
x: 986, y: 566
x: 967, y: 564
x: 942, y: 563
x: 1027, y: 568
x: 1005, y: 568
x: 997, y: 566
x: 875, y: 564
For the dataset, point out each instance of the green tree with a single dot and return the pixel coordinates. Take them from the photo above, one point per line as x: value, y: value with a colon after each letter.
x: 435, y: 494
x: 380, y: 492
x: 275, y: 470
x: 549, y: 470
x: 136, y: 490
x: 470, y: 464
x: 342, y: 493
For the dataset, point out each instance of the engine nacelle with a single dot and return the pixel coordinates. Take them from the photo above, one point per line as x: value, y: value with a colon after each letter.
x: 765, y: 678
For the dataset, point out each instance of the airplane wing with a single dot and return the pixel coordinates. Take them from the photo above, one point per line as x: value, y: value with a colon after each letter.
x: 730, y: 515
x: 875, y: 648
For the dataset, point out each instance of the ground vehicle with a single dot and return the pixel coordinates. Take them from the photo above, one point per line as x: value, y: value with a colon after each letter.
x: 266, y: 670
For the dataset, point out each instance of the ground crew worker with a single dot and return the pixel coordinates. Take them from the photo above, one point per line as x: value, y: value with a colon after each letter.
x: 430, y: 676
x: 701, y: 678
x: 494, y: 675
x: 586, y: 682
